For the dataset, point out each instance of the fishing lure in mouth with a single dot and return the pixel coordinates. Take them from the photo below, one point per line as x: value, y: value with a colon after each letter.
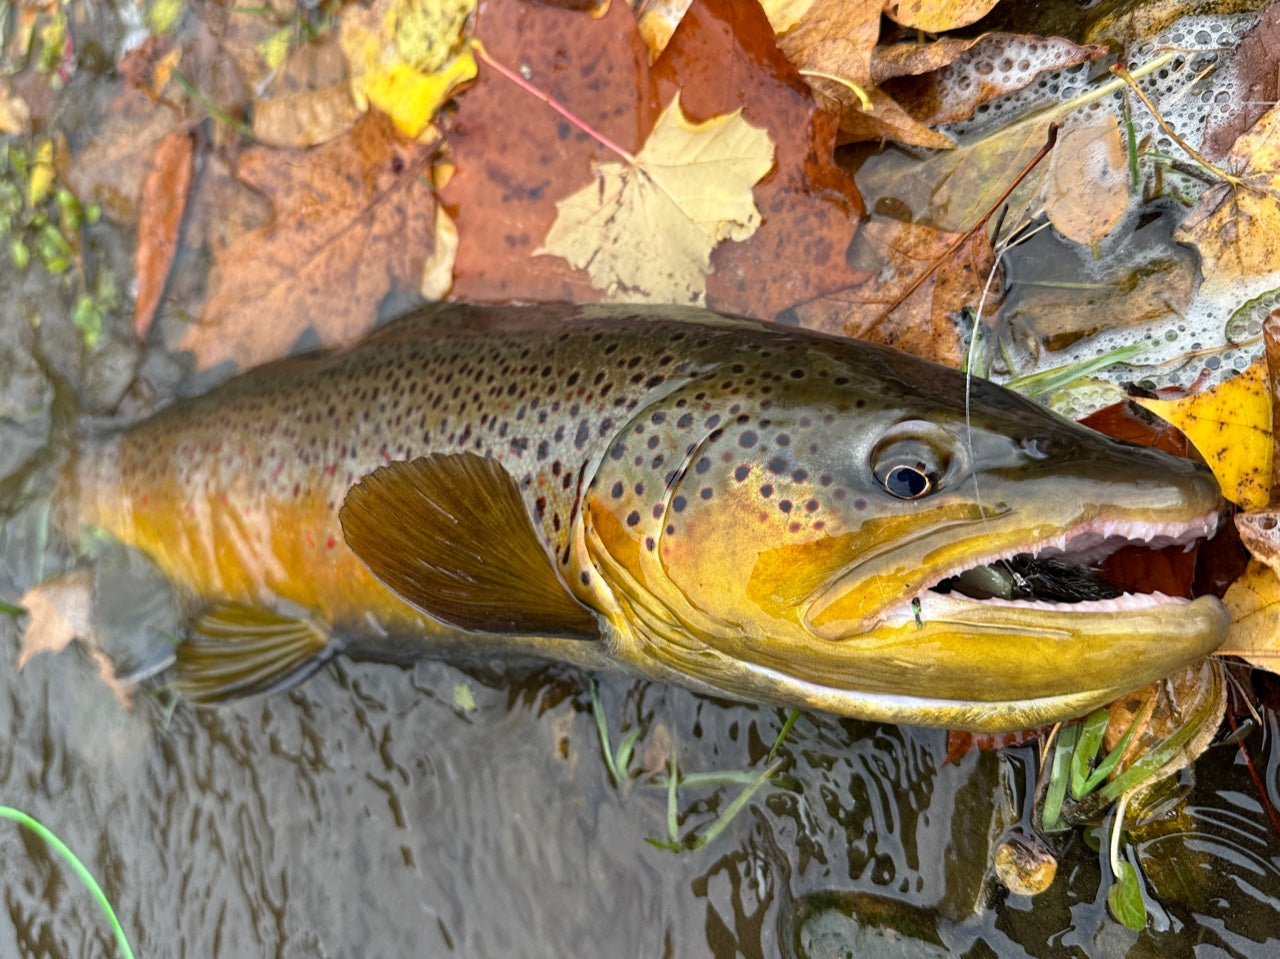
x: 750, y: 510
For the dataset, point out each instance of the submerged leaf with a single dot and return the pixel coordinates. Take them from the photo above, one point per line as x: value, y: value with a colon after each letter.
x: 353, y: 220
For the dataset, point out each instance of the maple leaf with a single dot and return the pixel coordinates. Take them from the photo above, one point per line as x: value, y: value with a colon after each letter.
x: 689, y: 187
x: 353, y: 220
x: 1231, y: 427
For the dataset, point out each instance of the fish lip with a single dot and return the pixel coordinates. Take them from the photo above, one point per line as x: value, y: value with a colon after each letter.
x: 1089, y: 541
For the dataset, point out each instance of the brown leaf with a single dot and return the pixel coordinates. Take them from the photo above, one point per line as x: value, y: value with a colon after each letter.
x: 925, y: 322
x: 113, y: 165
x: 517, y: 159
x: 60, y: 611
x: 353, y: 221
x: 811, y: 207
x: 835, y: 39
x: 164, y: 198
x: 1253, y: 74
x: 309, y: 100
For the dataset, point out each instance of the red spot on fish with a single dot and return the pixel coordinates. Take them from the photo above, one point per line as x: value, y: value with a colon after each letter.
x: 146, y: 499
x: 330, y: 469
x: 331, y: 542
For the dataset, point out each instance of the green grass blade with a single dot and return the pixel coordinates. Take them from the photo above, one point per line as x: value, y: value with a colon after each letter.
x: 79, y: 868
x: 602, y: 725
x: 782, y: 733
x: 739, y: 803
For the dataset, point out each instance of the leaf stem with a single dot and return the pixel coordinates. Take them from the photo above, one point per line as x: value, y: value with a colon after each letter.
x: 483, y: 56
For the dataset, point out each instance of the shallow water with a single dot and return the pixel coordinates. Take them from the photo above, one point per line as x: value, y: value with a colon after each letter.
x: 367, y: 813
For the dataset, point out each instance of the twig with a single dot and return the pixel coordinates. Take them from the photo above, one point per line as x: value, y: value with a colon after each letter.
x: 968, y: 234
x: 1191, y: 151
x: 483, y: 56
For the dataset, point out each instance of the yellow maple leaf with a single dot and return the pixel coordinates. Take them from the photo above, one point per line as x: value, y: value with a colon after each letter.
x: 1231, y: 427
x: 406, y: 57
x: 1236, y: 226
x: 1254, y: 602
x: 644, y: 230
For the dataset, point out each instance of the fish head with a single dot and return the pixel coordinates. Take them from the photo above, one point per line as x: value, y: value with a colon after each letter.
x: 814, y: 533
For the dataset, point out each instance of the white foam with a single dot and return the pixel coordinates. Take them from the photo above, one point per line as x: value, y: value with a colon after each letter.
x: 1223, y: 316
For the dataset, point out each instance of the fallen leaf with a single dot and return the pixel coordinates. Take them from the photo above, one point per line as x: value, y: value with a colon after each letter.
x: 149, y: 66
x: 515, y: 157
x: 935, y: 16
x: 811, y: 207
x: 1254, y: 602
x: 1157, y: 283
x: 690, y: 184
x: 353, y: 221
x: 1259, y: 529
x: 308, y: 101
x: 164, y: 198
x: 60, y: 611
x: 515, y: 165
x: 926, y: 322
x: 1230, y: 425
x: 1189, y: 704
x: 407, y: 56
x: 1253, y: 74
x: 1087, y: 189
x: 832, y: 46
x: 1236, y: 229
x: 113, y: 164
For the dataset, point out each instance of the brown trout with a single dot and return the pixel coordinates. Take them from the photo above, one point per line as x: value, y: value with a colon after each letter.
x: 753, y: 511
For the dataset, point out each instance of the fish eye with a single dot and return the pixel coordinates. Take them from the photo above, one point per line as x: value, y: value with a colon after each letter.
x: 908, y: 481
x: 911, y: 459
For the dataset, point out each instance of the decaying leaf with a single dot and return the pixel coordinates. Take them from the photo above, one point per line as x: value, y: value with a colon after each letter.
x: 690, y: 184
x: 164, y: 198
x: 60, y: 610
x: 811, y: 207
x: 1186, y: 708
x: 308, y: 101
x: 515, y: 164
x: 1254, y: 73
x: 925, y: 323
x: 407, y: 56
x: 353, y: 220
x: 1231, y: 427
x: 1087, y: 189
x: 1236, y: 228
x: 832, y: 45
x: 1254, y: 602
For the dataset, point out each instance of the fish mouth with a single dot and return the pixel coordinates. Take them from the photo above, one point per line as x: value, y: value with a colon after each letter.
x: 1064, y: 574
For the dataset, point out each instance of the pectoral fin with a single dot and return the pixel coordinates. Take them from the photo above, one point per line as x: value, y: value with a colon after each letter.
x: 451, y: 535
x: 230, y: 651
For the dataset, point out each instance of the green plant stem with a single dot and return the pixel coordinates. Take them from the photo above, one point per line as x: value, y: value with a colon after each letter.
x: 79, y: 868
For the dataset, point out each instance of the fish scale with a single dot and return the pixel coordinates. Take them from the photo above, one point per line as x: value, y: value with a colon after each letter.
x: 745, y: 509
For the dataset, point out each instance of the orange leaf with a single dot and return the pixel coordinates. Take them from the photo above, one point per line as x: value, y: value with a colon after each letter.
x: 353, y: 220
x: 164, y: 198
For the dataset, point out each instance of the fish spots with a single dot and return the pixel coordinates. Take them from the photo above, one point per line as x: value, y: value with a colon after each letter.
x: 706, y: 492
x: 777, y: 465
x: 617, y: 490
x: 741, y: 473
x: 799, y: 475
x: 748, y: 439
x: 685, y: 421
x: 766, y: 490
x: 658, y: 511
x: 702, y: 465
x: 679, y: 503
